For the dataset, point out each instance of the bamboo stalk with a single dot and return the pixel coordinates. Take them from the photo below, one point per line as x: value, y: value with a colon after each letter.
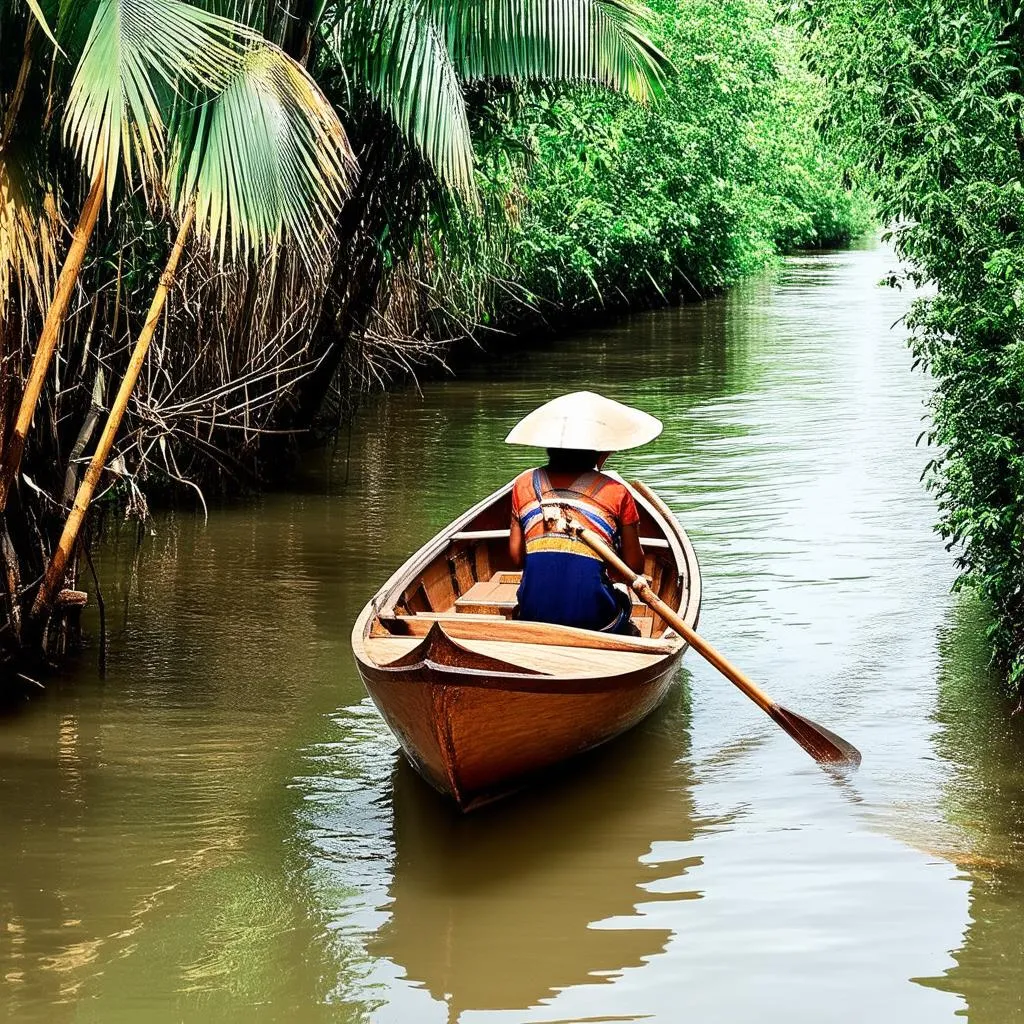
x: 69, y: 273
x: 53, y: 578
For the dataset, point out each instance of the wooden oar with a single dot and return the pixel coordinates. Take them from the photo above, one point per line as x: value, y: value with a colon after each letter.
x: 822, y: 744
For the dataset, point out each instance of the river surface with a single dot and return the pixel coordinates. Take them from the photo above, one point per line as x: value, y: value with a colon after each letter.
x: 221, y: 829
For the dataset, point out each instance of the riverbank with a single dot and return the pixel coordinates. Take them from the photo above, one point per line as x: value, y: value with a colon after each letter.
x: 581, y: 191
x: 491, y: 351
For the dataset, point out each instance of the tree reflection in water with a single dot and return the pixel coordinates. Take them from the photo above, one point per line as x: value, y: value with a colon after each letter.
x: 984, y: 801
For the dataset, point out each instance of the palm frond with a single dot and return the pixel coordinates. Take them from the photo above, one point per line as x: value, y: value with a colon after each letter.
x: 29, y: 228
x: 598, y: 41
x: 265, y: 159
x: 37, y: 13
x: 394, y: 51
x: 136, y: 51
x: 412, y: 57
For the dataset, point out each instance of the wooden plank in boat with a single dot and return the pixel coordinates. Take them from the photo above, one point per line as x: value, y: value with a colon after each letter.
x: 564, y: 662
x: 492, y: 627
x: 462, y: 571
x: 449, y: 615
x: 493, y: 595
x: 482, y: 561
x: 382, y: 650
x: 553, y: 660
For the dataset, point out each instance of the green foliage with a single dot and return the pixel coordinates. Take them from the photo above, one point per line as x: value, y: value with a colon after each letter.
x: 413, y: 58
x: 135, y: 51
x: 265, y: 160
x: 927, y: 98
x: 624, y: 204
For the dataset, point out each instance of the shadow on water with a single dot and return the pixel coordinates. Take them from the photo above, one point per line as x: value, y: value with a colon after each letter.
x: 503, y: 908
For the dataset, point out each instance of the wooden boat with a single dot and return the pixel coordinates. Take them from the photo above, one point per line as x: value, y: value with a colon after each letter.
x: 481, y: 702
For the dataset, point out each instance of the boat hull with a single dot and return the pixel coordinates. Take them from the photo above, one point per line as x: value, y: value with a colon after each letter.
x: 477, y: 732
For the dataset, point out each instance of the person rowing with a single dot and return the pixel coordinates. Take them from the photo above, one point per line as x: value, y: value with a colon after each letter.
x: 564, y: 582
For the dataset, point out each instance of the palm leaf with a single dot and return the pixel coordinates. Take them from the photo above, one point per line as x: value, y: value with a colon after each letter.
x: 29, y: 226
x: 37, y: 13
x: 136, y: 51
x: 264, y: 160
x: 412, y: 56
x: 396, y: 53
x: 599, y: 41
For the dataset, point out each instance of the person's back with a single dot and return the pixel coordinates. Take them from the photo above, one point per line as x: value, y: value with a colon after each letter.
x: 564, y: 582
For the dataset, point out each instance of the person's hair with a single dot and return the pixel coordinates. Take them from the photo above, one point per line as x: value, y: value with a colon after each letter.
x: 571, y: 460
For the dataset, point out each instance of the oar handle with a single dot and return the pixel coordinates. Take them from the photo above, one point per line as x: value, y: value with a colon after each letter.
x: 698, y: 643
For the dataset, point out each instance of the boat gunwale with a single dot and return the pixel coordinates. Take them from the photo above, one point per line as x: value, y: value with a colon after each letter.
x: 687, y: 569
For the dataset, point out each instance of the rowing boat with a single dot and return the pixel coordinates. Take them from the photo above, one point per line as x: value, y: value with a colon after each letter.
x: 481, y: 702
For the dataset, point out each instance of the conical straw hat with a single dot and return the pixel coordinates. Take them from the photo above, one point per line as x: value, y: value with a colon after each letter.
x: 585, y: 420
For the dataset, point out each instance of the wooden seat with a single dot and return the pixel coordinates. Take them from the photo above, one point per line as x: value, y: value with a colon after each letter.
x: 477, y: 535
x: 496, y: 596
x: 450, y: 615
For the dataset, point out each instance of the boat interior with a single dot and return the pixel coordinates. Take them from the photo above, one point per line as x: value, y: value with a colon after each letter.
x: 466, y: 581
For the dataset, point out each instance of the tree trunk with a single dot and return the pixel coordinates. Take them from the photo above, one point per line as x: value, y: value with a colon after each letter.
x: 51, y: 331
x: 53, y: 577
x: 269, y: 19
x: 299, y: 33
x: 19, y: 89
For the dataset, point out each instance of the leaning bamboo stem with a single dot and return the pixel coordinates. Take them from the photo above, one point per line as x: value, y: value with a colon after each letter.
x: 51, y: 331
x: 53, y: 578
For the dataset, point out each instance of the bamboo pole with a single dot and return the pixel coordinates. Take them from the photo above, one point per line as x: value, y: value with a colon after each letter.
x: 53, y: 578
x: 69, y: 273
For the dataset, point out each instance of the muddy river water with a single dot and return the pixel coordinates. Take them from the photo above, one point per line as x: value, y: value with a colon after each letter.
x: 221, y: 828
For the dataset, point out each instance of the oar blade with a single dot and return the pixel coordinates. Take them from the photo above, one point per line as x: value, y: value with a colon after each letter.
x: 821, y: 743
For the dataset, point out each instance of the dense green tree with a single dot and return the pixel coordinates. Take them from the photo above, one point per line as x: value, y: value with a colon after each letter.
x: 620, y: 205
x: 926, y: 99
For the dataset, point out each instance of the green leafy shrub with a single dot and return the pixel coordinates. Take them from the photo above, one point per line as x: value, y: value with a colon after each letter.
x: 926, y: 98
x: 624, y: 204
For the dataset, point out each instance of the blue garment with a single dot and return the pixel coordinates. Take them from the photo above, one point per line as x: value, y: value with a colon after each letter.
x: 564, y: 581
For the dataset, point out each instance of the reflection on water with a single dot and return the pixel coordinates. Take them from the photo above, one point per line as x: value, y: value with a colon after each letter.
x: 503, y: 908
x: 221, y: 830
x: 984, y: 802
x: 555, y: 906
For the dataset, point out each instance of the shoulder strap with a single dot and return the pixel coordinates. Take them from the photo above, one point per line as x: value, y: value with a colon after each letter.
x: 591, y: 483
x: 540, y: 483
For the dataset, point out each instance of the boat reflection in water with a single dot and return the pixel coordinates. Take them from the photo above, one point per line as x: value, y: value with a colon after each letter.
x: 502, y: 908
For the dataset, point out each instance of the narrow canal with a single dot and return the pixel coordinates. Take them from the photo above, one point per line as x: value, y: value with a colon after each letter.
x: 221, y: 829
